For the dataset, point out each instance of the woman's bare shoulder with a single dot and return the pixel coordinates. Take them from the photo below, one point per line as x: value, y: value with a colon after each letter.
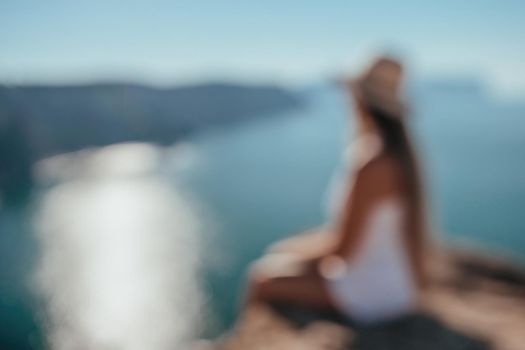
x: 381, y: 174
x: 365, y: 150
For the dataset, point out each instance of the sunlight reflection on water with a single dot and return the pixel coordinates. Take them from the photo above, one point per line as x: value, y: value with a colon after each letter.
x: 119, y: 252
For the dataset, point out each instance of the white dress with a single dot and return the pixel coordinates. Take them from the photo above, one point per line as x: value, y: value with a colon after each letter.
x: 377, y: 284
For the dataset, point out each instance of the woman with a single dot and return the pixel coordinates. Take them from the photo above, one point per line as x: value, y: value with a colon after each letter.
x: 370, y: 267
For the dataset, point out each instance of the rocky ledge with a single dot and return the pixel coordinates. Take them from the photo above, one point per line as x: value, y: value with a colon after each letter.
x: 473, y: 302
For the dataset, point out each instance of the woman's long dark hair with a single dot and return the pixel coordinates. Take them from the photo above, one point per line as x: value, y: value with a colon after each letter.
x: 397, y: 143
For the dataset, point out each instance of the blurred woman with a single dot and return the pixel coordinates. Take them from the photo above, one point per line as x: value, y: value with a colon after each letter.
x: 369, y: 266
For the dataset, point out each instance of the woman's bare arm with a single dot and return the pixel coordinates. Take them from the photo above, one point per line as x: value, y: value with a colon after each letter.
x: 309, y: 244
x: 373, y: 182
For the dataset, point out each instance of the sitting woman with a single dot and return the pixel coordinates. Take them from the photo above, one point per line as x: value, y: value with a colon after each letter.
x: 369, y: 266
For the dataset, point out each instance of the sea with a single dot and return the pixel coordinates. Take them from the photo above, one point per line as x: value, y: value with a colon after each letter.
x: 255, y: 182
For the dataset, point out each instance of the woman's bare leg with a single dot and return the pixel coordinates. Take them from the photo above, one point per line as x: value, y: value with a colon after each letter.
x: 306, y: 289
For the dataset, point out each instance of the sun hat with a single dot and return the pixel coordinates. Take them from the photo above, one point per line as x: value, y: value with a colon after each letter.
x: 379, y: 86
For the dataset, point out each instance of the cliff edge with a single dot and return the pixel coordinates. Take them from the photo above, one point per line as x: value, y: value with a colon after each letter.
x: 473, y: 302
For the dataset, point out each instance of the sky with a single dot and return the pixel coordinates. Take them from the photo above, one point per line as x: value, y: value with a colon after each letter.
x: 283, y: 41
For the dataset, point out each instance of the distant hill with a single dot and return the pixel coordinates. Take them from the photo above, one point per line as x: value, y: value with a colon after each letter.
x: 38, y: 121
x: 65, y: 118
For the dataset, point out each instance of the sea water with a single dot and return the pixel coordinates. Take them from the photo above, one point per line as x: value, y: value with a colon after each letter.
x: 263, y: 180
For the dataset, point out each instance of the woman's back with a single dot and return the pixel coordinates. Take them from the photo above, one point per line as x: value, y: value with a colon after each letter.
x: 378, y: 282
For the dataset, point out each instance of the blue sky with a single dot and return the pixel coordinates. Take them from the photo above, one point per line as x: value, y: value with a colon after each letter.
x: 286, y: 41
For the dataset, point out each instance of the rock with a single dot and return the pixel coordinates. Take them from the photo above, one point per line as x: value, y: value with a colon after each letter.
x: 473, y: 302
